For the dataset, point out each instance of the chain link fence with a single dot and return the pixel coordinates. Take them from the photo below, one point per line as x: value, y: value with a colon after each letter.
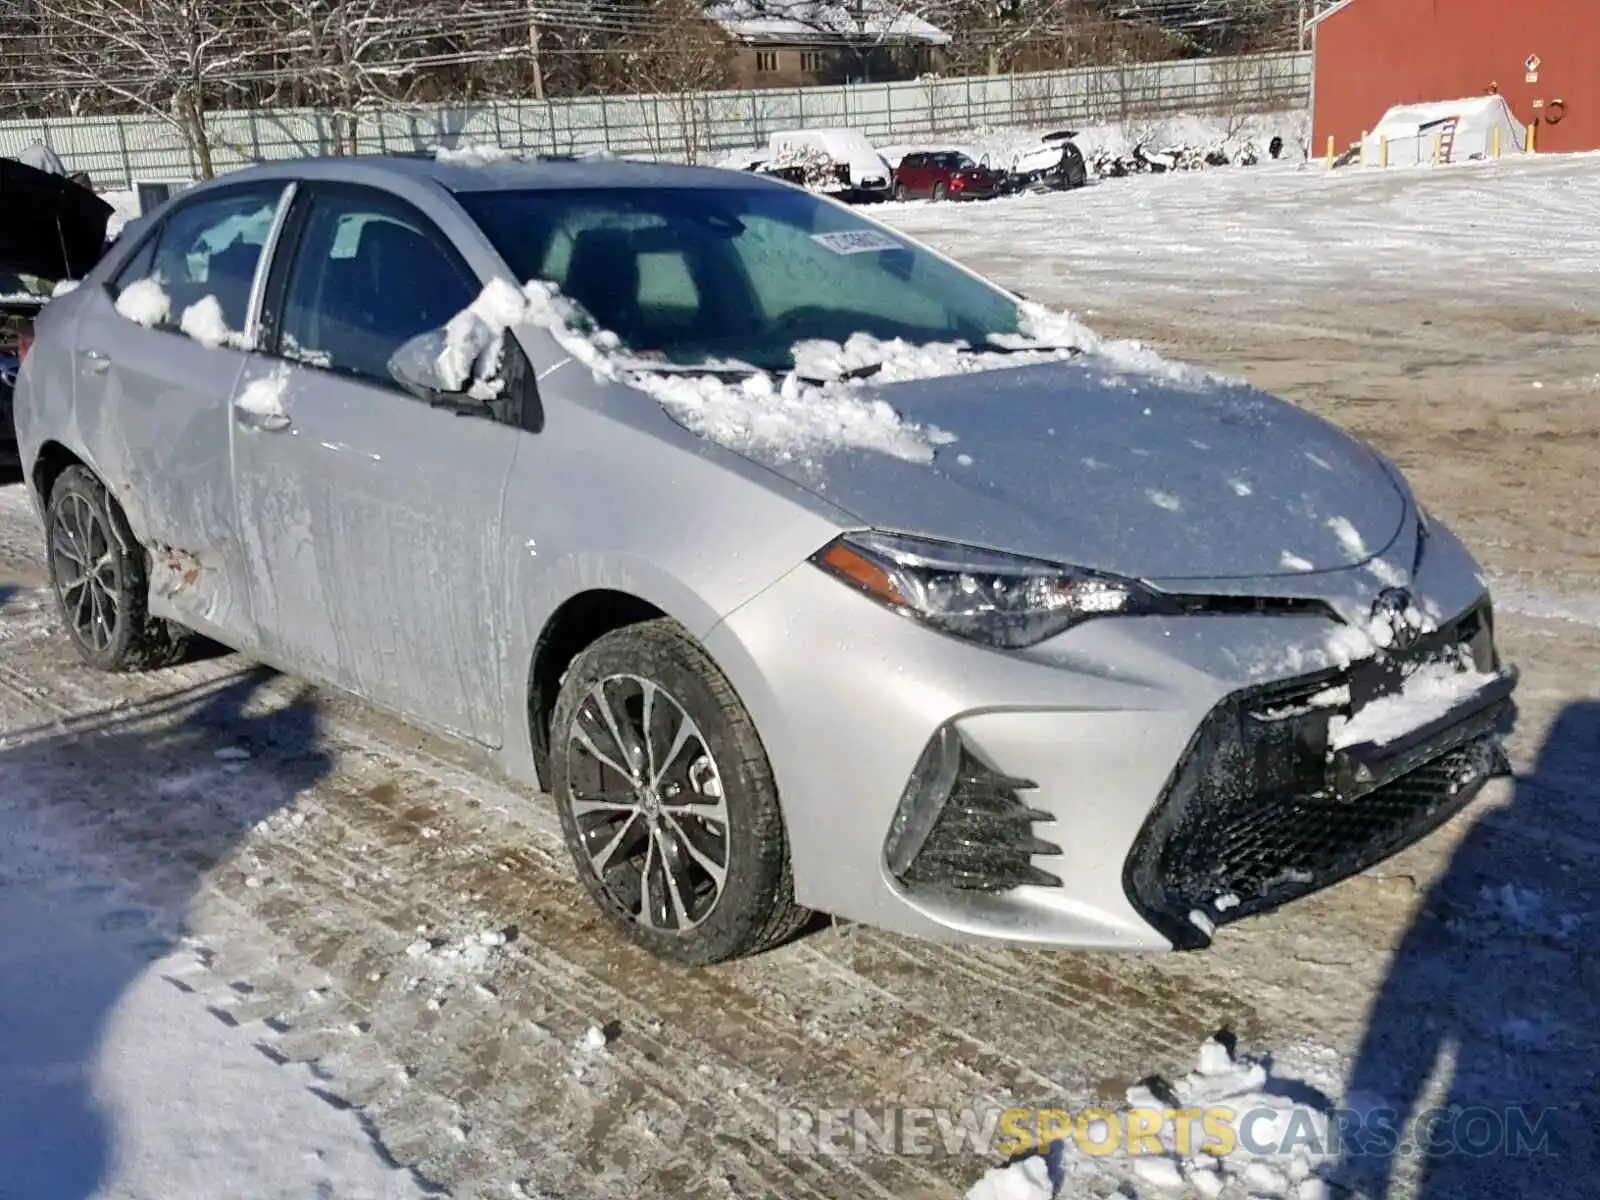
x: 119, y: 151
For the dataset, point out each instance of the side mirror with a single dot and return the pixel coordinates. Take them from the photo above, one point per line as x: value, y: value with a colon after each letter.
x: 420, y: 366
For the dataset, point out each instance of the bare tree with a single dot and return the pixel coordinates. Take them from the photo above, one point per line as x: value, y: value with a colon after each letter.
x: 168, y: 58
x: 680, y: 57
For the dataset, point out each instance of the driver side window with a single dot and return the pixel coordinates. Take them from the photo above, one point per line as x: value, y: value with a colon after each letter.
x: 370, y: 274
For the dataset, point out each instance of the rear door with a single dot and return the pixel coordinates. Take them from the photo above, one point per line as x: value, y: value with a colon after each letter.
x: 914, y: 174
x: 152, y: 399
x: 371, y: 519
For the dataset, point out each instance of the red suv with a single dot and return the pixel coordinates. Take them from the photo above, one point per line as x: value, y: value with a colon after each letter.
x: 943, y: 175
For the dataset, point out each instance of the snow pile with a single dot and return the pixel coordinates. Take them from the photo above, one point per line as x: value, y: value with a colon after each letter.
x: 1123, y: 356
x: 1262, y: 1136
x: 1290, y: 1139
x: 1428, y: 692
x: 789, y: 418
x: 263, y: 397
x: 1025, y: 1180
x: 458, y: 957
x: 824, y: 404
x: 474, y: 340
x: 64, y: 287
x: 145, y: 302
x: 899, y: 361
x: 204, y: 322
x: 473, y: 154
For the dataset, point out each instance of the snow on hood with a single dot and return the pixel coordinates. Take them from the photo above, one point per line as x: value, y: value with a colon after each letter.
x: 1055, y: 443
x: 825, y: 405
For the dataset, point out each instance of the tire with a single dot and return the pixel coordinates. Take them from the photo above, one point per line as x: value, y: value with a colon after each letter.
x: 940, y: 191
x: 648, y: 833
x: 900, y: 192
x: 85, y: 526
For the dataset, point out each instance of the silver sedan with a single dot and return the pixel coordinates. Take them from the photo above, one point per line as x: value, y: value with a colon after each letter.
x: 806, y: 569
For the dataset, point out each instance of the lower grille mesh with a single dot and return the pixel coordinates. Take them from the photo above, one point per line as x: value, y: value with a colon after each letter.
x: 983, y: 839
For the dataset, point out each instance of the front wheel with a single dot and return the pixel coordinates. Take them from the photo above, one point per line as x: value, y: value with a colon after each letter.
x: 667, y: 800
x: 97, y: 571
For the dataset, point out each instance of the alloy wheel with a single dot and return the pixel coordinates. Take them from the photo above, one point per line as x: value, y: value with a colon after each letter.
x: 648, y: 801
x: 88, y: 574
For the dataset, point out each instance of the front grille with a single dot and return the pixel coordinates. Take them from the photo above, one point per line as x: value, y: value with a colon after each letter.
x: 1259, y: 812
x: 982, y: 839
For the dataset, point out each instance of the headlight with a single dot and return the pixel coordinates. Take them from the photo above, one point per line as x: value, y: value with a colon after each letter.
x: 998, y: 599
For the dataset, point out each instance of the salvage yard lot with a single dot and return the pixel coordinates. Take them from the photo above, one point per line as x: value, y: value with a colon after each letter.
x: 276, y: 850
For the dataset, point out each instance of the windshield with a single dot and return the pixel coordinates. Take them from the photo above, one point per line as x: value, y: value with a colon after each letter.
x: 691, y: 275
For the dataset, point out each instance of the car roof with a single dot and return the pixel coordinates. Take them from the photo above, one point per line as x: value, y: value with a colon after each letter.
x: 507, y: 175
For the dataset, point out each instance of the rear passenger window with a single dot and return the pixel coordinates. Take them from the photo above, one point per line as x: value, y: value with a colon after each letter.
x: 209, y: 247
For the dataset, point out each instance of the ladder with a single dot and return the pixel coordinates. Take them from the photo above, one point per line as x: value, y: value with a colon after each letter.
x: 1447, y: 138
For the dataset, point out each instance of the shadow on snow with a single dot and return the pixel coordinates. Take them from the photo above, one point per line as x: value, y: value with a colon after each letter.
x: 137, y: 793
x: 1495, y: 988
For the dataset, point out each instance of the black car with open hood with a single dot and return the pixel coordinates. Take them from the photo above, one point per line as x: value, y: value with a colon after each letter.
x: 51, y: 228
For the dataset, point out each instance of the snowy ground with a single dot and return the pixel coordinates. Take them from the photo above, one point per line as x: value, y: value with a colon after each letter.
x: 264, y: 942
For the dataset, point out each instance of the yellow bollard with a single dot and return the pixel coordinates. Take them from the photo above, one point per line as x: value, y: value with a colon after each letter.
x: 1383, y: 150
x: 1438, y: 148
x: 1496, y: 141
x: 1533, y: 138
x: 1330, y: 151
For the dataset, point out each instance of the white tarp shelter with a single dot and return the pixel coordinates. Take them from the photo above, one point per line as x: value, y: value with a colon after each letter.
x: 1410, y: 130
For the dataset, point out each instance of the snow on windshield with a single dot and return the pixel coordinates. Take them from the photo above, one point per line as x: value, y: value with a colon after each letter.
x: 827, y: 402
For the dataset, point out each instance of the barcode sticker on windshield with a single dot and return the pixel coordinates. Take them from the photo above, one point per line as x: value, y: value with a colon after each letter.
x: 858, y: 241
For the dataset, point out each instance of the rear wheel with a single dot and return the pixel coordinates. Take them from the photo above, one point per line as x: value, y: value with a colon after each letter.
x: 667, y: 800
x: 940, y: 191
x: 97, y: 571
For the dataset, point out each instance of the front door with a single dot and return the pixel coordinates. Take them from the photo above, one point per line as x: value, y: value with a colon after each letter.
x: 158, y: 354
x: 371, y: 519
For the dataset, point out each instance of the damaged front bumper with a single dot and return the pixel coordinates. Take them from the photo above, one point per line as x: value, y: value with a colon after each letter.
x: 1263, y: 808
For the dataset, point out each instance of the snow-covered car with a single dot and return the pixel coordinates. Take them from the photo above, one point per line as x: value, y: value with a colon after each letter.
x: 803, y: 567
x: 52, y: 228
x: 1056, y: 166
x: 836, y: 162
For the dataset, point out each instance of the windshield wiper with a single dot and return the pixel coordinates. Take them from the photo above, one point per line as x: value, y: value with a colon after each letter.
x: 867, y: 370
x: 1036, y: 348
x: 727, y: 372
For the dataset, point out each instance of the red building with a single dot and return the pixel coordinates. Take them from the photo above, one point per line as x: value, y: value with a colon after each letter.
x: 1543, y: 56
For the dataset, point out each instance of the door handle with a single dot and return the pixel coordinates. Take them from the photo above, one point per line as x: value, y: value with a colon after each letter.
x: 266, y: 422
x: 95, y: 362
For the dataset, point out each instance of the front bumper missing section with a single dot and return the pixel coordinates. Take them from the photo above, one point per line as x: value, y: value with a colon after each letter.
x: 1260, y: 810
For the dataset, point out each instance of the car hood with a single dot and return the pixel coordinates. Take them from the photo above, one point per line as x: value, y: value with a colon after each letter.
x: 49, y: 226
x: 1126, y: 474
